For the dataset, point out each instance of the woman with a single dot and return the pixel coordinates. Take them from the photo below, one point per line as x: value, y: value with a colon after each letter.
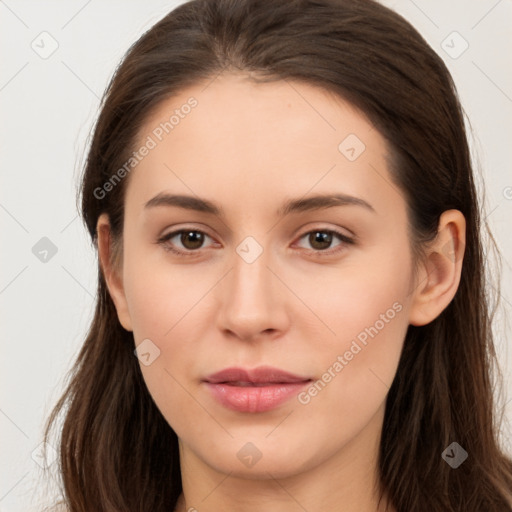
x: 291, y: 311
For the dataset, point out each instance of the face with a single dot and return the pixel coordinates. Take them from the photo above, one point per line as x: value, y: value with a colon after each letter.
x: 265, y: 276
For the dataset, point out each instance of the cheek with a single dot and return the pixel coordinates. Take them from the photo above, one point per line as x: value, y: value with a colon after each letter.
x: 346, y: 301
x: 165, y: 309
x: 364, y: 313
x: 354, y: 368
x: 357, y: 369
x: 159, y: 295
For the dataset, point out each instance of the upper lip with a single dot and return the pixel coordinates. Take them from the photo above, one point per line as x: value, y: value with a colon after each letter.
x: 262, y: 374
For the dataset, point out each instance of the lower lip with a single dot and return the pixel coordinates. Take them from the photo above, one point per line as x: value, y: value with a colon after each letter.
x: 255, y: 398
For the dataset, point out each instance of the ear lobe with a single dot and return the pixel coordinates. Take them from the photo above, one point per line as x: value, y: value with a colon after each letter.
x: 440, y: 273
x: 112, y: 272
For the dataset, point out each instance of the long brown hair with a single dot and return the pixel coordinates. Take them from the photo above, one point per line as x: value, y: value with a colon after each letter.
x: 117, y: 452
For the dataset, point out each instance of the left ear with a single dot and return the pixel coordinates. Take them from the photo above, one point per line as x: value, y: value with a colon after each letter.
x: 439, y: 275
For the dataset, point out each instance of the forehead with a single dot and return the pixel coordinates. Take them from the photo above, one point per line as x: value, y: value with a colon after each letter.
x: 253, y: 142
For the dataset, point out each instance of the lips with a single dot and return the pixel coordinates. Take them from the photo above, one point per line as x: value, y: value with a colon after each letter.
x: 260, y: 375
x: 258, y: 390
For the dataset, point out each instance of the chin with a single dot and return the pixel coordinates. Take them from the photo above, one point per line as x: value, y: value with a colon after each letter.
x: 260, y: 459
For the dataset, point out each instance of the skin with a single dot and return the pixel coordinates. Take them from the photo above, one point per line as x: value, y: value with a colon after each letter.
x: 249, y: 147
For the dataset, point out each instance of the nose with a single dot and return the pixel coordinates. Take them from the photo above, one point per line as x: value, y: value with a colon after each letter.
x: 252, y: 300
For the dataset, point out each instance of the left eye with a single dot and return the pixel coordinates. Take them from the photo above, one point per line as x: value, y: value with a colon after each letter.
x: 323, y: 239
x: 192, y: 239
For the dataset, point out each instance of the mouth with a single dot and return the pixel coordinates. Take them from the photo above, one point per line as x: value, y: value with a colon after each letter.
x: 262, y: 375
x: 242, y: 384
x: 254, y: 391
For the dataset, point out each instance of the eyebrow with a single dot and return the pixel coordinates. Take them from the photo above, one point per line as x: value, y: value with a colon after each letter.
x: 316, y: 202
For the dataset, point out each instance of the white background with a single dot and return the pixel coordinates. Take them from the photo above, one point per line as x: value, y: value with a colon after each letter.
x: 48, y: 107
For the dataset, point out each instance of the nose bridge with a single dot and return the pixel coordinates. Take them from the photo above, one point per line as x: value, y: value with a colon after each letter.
x: 250, y: 276
x: 250, y: 301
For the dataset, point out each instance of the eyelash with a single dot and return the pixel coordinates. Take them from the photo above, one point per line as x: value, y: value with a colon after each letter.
x: 322, y: 253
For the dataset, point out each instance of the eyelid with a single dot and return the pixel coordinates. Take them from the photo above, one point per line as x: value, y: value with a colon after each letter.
x: 319, y: 226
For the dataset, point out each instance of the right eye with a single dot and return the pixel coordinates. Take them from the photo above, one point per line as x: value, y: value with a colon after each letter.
x: 191, y: 241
